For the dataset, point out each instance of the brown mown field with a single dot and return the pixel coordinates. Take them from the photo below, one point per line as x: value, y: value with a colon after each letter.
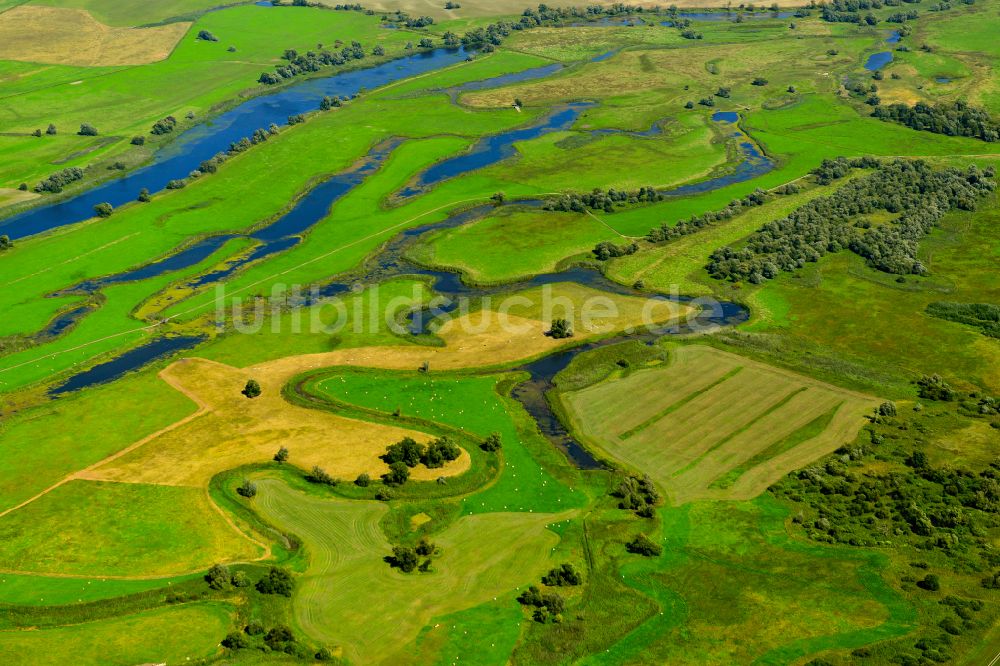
x: 714, y: 425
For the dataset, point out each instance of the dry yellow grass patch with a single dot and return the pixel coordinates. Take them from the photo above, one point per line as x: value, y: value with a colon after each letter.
x: 63, y: 36
x: 232, y: 430
x: 10, y: 196
x: 714, y: 425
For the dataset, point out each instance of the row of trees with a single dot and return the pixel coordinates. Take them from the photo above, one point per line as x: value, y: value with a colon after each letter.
x: 984, y: 316
x: 915, y: 193
x: 605, y: 200
x: 313, y: 61
x: 953, y: 119
x: 60, y: 179
x: 667, y: 232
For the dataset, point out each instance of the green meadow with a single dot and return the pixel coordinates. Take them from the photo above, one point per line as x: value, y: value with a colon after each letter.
x: 787, y: 549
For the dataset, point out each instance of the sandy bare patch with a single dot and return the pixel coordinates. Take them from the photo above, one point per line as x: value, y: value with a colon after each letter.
x: 232, y: 430
x: 62, y: 36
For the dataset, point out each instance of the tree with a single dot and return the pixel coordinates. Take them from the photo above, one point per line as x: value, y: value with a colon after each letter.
x: 378, y: 50
x: 643, y: 545
x: 425, y: 43
x: 138, y: 140
x: 206, y: 36
x: 397, y: 475
x: 23, y: 187
x: 240, y: 579
x: 930, y: 583
x: 252, y: 389
x: 104, y: 209
x: 560, y: 329
x: 791, y: 89
x: 403, y: 558
x: 247, y: 489
x: 277, y: 581
x: 51, y: 130
x: 518, y: 103
x: 498, y: 198
x: 759, y: 81
x: 363, y: 480
x: 282, y: 455
x: 887, y: 408
x: 144, y: 195
x: 320, y: 475
x: 689, y: 104
x: 37, y: 132
x: 235, y: 640
x: 5, y: 242
x: 439, y: 452
x: 492, y: 443
x: 86, y: 129
x: 218, y: 577
x: 280, y: 639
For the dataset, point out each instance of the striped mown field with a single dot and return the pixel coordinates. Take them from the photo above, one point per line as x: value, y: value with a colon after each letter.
x: 714, y: 425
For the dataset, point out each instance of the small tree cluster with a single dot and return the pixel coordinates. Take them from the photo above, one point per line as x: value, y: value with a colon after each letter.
x: 411, y: 453
x: 637, y: 494
x: 247, y: 489
x: 564, y: 575
x: 60, y: 179
x: 548, y: 606
x: 643, y: 545
x: 277, y: 581
x: 164, y: 126
x: 933, y: 387
x: 560, y: 329
x: 606, y: 200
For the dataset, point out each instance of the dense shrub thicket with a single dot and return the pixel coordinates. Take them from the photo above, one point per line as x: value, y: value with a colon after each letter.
x: 916, y: 194
x: 60, y: 179
x: 954, y: 119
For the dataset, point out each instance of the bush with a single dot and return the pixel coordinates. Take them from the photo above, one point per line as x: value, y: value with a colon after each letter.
x: 277, y: 581
x: 235, y: 640
x: 164, y: 126
x: 138, y: 140
x: 143, y: 196
x: 930, y: 583
x: 254, y: 629
x: 51, y: 130
x: 104, y: 209
x: 86, y: 129
x: 363, y: 480
x: 206, y: 36
x: 440, y: 451
x: 279, y: 638
x: 320, y: 475
x: 247, y: 489
x: 240, y: 579
x: 563, y: 576
x: 560, y: 329
x: 397, y: 475
x: 218, y: 577
x: 643, y: 545
x: 282, y: 455
x: 492, y: 443
x: 252, y: 389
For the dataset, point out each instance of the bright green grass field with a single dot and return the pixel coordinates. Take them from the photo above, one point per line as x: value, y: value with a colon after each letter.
x: 125, y: 101
x: 168, y: 635
x: 40, y: 449
x: 471, y: 403
x: 512, y: 244
x: 133, y: 12
x: 26, y: 590
x: 733, y: 588
x: 88, y: 528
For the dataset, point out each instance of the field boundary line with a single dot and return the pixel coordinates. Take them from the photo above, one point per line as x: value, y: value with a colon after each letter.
x: 79, y: 256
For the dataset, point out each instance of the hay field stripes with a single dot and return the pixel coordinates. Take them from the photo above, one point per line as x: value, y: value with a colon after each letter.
x: 713, y: 425
x: 64, y: 36
x: 347, y: 576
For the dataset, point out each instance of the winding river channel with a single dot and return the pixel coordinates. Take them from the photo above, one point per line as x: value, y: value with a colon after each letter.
x: 203, y: 141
